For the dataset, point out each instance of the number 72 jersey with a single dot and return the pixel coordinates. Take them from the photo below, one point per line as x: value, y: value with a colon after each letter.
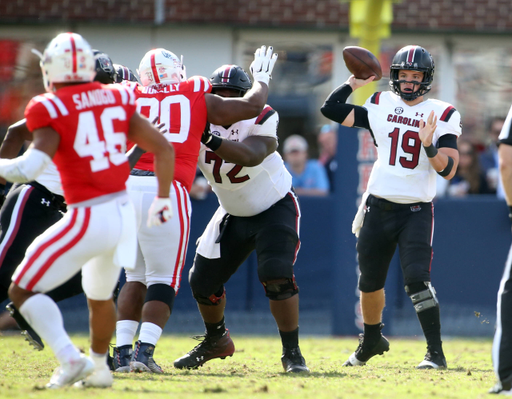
x: 402, y: 172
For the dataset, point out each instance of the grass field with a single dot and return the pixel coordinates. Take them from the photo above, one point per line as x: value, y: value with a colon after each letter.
x: 255, y: 371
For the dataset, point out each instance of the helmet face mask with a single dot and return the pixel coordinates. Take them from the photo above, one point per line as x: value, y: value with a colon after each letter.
x: 68, y: 58
x: 160, y: 66
x: 412, y: 58
x: 230, y: 77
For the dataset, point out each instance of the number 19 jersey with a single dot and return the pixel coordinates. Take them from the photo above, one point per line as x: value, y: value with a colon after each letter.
x: 402, y: 172
x: 92, y: 121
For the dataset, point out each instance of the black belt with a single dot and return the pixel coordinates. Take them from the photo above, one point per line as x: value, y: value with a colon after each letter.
x: 140, y: 172
x: 386, y: 205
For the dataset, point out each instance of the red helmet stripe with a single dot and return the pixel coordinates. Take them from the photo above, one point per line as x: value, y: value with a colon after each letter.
x: 410, y: 56
x: 73, y: 52
x: 153, y: 68
x: 226, y: 73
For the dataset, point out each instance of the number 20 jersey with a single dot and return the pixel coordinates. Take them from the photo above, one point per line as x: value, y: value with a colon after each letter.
x: 92, y: 121
x: 241, y: 190
x: 402, y: 172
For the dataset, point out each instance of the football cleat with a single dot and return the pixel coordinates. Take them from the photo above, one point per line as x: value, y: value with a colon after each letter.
x: 71, y: 372
x: 363, y: 353
x: 121, y: 358
x: 27, y: 331
x: 433, y: 360
x: 293, y: 361
x: 142, y: 359
x: 502, y: 388
x: 210, y: 348
x: 100, y: 378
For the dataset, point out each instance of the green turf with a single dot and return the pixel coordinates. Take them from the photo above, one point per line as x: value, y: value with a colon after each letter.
x: 255, y: 372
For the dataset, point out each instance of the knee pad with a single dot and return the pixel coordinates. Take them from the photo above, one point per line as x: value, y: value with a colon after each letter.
x: 367, y: 284
x: 422, y: 298
x: 212, y: 300
x: 278, y: 290
x: 161, y: 292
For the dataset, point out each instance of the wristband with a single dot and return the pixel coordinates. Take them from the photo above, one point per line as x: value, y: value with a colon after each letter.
x: 446, y: 171
x: 213, y: 142
x: 510, y: 212
x: 431, y: 151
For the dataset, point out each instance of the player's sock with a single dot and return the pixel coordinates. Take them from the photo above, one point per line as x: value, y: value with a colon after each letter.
x: 431, y: 325
x: 149, y: 333
x: 67, y: 354
x: 125, y: 331
x: 215, y: 329
x: 290, y: 339
x: 372, y: 334
x: 45, y: 318
x: 100, y: 360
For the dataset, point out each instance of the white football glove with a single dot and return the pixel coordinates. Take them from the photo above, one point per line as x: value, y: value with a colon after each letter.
x: 264, y: 61
x: 159, y: 212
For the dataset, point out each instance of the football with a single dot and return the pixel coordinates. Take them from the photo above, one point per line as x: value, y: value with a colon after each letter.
x: 362, y: 63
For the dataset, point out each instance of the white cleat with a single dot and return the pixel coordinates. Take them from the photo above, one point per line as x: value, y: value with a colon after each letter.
x: 71, y: 372
x: 100, y: 378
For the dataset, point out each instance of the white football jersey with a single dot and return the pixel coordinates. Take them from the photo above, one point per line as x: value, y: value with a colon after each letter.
x: 402, y: 172
x: 50, y: 178
x: 247, y: 191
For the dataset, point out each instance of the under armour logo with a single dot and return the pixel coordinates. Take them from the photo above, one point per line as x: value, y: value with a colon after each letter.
x: 418, y: 114
x: 45, y: 202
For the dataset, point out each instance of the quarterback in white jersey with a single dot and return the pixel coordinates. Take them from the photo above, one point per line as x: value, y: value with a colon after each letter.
x: 258, y: 211
x: 415, y: 138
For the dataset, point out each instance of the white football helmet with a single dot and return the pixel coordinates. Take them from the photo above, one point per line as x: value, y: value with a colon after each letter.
x: 161, y: 66
x: 67, y: 58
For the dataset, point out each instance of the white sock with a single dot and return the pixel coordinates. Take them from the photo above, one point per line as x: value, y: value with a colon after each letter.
x: 67, y: 354
x: 125, y: 332
x: 43, y: 314
x: 149, y: 333
x: 100, y: 360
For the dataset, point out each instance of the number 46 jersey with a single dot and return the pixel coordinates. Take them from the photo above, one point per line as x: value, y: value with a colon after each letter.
x: 402, y: 172
x: 92, y: 121
x: 241, y: 190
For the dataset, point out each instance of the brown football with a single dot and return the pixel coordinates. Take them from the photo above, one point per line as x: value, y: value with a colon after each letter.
x: 362, y: 63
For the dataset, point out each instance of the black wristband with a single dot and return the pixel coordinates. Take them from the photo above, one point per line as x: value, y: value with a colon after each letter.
x: 213, y: 143
x: 449, y: 166
x: 510, y: 212
x: 431, y: 151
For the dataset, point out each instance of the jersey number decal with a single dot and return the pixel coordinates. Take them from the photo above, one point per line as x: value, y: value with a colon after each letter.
x: 217, y: 163
x: 162, y: 110
x: 88, y: 144
x: 411, y: 144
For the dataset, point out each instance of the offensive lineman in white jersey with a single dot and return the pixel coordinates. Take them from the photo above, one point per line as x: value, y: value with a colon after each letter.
x: 397, y: 207
x: 258, y: 211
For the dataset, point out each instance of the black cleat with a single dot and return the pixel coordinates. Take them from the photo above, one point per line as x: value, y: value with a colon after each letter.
x: 363, y: 353
x: 293, y: 361
x: 502, y: 387
x: 28, y: 332
x: 142, y: 359
x: 120, y: 360
x: 211, y: 348
x: 433, y: 360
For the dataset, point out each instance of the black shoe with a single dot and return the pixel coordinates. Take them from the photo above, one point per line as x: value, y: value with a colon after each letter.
x: 28, y: 332
x: 434, y: 359
x: 502, y: 388
x: 293, y: 361
x: 211, y: 348
x: 120, y: 361
x: 363, y: 353
x: 142, y: 359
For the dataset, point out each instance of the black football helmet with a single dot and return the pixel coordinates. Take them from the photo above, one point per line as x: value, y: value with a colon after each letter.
x: 230, y: 77
x: 105, y: 71
x: 124, y: 73
x: 414, y: 58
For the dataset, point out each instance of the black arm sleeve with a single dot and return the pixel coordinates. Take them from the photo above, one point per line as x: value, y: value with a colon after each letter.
x: 447, y: 140
x: 336, y: 109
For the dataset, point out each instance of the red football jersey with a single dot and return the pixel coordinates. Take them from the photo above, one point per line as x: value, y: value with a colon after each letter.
x: 182, y: 108
x: 93, y: 121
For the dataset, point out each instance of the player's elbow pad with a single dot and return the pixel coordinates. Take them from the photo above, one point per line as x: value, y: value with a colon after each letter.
x: 25, y: 168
